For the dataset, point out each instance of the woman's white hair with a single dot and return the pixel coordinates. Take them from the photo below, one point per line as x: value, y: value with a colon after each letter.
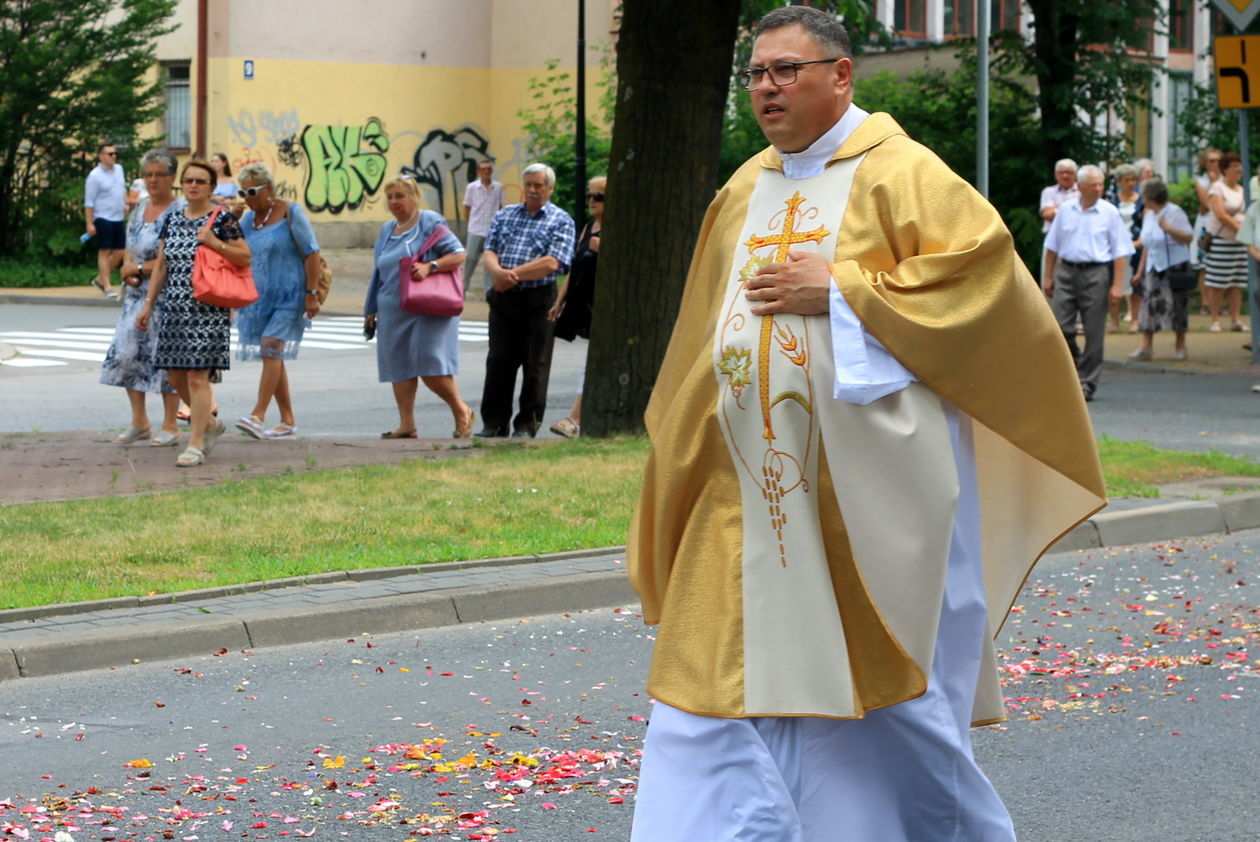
x: 257, y: 172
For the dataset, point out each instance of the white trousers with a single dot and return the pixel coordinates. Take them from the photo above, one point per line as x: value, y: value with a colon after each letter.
x: 901, y: 774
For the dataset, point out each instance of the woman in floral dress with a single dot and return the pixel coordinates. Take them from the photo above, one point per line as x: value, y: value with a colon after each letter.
x: 130, y: 360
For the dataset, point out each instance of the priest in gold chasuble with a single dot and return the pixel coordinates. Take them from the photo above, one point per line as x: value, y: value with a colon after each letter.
x: 865, y: 432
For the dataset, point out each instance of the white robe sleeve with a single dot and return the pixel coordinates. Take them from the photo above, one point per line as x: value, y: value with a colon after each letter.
x: 865, y: 371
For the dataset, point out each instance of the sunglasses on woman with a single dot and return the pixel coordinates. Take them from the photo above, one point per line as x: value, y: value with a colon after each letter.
x: 201, y: 181
x: 254, y: 191
x: 595, y: 197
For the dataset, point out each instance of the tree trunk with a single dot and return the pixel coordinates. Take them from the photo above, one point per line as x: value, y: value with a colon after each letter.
x: 674, y: 72
x: 1055, y: 34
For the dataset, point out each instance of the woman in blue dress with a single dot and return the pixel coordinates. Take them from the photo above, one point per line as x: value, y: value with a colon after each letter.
x: 286, y: 272
x: 225, y: 189
x: 130, y: 360
x: 411, y: 347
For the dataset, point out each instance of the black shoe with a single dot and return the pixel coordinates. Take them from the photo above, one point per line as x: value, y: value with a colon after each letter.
x: 1089, y: 395
x: 522, y: 434
x: 490, y: 433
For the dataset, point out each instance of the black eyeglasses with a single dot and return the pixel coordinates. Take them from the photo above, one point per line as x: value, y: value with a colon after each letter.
x: 112, y: 154
x: 254, y: 191
x: 782, y: 73
x: 594, y: 197
x: 201, y: 181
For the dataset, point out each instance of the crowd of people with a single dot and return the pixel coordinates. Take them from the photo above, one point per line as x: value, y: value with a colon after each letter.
x: 1134, y: 251
x: 168, y: 342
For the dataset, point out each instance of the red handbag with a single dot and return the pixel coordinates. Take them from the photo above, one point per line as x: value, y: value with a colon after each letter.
x: 218, y: 281
x: 438, y: 293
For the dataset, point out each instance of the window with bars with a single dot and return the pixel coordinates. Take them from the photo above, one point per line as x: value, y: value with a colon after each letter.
x: 910, y: 18
x: 177, y: 121
x: 1181, y: 151
x: 1181, y: 25
x: 961, y: 17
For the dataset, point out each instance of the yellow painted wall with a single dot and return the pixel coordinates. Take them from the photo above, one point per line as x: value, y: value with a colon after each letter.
x: 334, y: 132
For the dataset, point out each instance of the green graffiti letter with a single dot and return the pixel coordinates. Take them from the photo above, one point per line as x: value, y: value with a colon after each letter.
x: 342, y: 171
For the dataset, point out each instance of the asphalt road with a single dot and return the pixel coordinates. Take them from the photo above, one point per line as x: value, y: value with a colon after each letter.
x: 1130, y: 680
x: 335, y: 392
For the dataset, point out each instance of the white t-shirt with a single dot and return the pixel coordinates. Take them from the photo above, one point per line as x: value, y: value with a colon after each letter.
x: 106, y: 193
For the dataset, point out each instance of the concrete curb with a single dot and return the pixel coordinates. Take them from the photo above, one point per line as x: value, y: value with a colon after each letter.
x: 1185, y: 519
x: 37, y: 656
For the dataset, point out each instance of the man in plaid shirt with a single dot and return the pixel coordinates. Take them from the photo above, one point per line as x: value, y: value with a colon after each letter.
x: 529, y: 246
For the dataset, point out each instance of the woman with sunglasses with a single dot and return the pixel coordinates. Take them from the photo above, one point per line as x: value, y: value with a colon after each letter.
x: 286, y: 271
x: 195, y: 338
x: 576, y: 301
x: 129, y: 360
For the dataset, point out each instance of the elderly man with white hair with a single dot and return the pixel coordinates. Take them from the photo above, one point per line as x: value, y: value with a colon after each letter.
x: 528, y: 248
x: 1087, y: 247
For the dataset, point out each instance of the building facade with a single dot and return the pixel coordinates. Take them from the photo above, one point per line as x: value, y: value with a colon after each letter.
x: 337, y: 97
x: 1182, y: 49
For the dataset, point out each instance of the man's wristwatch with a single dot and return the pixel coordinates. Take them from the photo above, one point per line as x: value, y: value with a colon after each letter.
x: 312, y: 292
x: 432, y: 266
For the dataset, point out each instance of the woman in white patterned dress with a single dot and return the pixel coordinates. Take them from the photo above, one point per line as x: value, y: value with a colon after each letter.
x: 129, y: 363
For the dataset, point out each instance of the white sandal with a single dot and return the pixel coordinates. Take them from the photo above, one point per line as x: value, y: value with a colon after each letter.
x: 164, y: 438
x: 280, y: 431
x: 133, y: 434
x: 191, y: 457
x: 251, y: 425
x: 217, y: 429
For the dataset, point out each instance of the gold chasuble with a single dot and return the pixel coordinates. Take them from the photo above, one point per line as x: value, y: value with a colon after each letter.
x: 792, y: 546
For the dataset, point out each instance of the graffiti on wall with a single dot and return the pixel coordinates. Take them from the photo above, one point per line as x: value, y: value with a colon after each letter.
x: 345, y: 164
x: 444, y: 163
x: 252, y: 128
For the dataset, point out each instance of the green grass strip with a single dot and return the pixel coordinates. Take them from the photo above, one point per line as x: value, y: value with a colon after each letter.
x: 504, y: 501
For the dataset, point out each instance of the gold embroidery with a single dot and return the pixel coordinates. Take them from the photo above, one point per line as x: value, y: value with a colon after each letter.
x: 780, y: 472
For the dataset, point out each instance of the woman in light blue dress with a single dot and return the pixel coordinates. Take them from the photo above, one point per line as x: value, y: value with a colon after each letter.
x: 286, y: 272
x: 129, y: 360
x: 411, y: 347
x: 225, y: 189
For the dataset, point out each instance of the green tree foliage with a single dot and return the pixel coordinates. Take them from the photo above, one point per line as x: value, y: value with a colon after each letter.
x: 1080, y: 58
x: 938, y: 109
x: 550, y: 124
x: 72, y: 74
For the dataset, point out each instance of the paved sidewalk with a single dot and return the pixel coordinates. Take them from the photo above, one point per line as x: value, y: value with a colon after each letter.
x: 351, y: 270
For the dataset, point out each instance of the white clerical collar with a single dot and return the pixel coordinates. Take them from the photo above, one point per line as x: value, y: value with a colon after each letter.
x: 813, y: 160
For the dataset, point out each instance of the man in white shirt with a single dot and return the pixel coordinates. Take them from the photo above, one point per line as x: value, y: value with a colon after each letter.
x: 1053, y: 197
x: 105, y: 208
x: 1086, y: 250
x: 482, y: 200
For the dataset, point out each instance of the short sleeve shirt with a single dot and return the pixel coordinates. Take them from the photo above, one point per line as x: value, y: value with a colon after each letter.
x: 1097, y: 235
x: 484, y: 202
x: 517, y: 237
x: 1054, y: 197
x: 106, y: 193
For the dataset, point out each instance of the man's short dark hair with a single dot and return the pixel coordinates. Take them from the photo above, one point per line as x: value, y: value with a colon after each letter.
x: 102, y: 147
x: 826, y: 29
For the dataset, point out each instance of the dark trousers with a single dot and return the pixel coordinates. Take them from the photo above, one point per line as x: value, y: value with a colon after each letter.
x: 1082, y: 290
x: 520, y: 337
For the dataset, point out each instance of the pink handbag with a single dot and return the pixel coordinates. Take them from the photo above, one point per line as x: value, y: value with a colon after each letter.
x: 218, y: 281
x: 439, y: 293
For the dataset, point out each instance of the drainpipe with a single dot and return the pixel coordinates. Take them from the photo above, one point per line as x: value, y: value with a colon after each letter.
x: 202, y: 40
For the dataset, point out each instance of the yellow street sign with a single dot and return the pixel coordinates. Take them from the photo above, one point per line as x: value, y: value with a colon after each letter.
x: 1237, y: 71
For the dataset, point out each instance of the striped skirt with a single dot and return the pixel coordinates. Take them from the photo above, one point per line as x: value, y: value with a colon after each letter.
x: 1226, y: 264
